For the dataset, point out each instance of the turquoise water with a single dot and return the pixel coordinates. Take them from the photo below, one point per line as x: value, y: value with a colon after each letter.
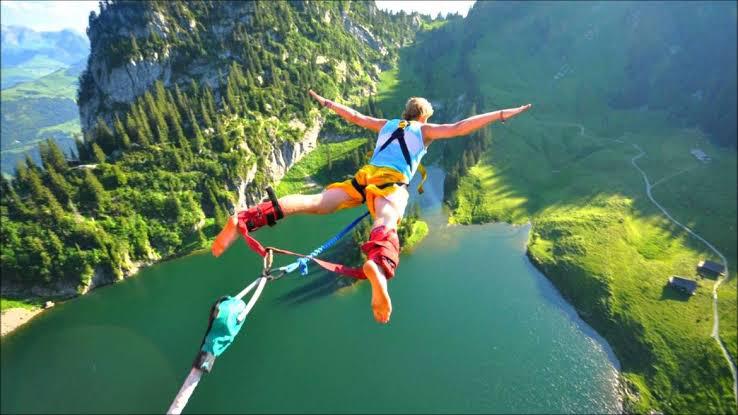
x: 475, y: 328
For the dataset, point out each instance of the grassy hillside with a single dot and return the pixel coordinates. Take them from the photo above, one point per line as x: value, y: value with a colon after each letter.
x: 37, y: 110
x: 151, y: 184
x: 28, y: 55
x: 315, y: 171
x: 610, y: 251
x: 566, y: 167
x: 34, y: 68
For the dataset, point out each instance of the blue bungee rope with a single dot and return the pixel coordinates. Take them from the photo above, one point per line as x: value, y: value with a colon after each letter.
x: 224, y: 326
x: 228, y: 315
x: 302, y: 263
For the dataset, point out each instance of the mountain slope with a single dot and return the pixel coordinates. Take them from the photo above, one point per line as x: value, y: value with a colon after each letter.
x: 36, y: 110
x: 28, y: 55
x: 566, y: 167
x: 183, y: 104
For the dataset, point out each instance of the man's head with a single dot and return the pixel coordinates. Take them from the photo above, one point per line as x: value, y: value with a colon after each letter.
x: 417, y: 109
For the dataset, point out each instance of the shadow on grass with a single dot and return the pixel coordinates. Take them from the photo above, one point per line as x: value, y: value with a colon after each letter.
x: 706, y: 274
x: 671, y: 293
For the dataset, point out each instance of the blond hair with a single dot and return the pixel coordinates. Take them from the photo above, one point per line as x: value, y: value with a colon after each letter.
x: 417, y: 107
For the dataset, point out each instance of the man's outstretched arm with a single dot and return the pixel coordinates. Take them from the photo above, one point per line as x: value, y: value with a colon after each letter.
x: 469, y: 125
x: 350, y: 114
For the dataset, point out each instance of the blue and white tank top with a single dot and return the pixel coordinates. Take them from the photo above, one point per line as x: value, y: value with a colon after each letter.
x: 399, y: 151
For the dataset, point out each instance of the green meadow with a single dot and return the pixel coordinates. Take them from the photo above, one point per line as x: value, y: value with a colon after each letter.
x: 566, y: 167
x: 36, y: 110
x: 610, y: 251
x: 313, y: 172
x: 35, y: 68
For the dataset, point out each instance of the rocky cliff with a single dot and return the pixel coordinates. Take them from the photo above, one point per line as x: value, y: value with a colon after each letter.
x: 135, y: 44
x: 337, y: 47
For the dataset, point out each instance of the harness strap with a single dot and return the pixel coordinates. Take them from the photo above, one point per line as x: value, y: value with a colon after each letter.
x: 362, y: 189
x: 257, y: 247
x: 399, y: 135
x: 423, y: 175
x: 278, y: 214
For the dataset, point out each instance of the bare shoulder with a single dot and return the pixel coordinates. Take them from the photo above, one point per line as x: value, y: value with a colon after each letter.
x: 435, y: 131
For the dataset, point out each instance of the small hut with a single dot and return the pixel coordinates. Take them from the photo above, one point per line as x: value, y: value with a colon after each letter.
x: 710, y: 268
x: 683, y: 284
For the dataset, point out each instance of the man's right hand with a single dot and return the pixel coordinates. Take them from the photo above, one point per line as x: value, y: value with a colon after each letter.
x: 511, y: 112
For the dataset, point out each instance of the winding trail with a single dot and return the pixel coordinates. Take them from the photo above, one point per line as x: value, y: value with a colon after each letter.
x: 716, y: 317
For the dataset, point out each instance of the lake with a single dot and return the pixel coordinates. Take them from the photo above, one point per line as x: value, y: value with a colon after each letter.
x: 475, y: 329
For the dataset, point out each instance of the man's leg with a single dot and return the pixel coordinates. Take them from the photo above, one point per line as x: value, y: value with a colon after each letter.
x: 388, y: 213
x: 326, y: 202
x: 323, y: 203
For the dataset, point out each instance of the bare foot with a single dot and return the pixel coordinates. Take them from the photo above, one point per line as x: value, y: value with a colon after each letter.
x: 226, y: 237
x: 381, y: 303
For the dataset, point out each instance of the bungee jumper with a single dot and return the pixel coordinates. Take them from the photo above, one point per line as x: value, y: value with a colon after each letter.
x: 381, y: 185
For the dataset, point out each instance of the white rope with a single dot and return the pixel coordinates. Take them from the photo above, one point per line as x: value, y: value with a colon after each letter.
x: 189, y: 385
x: 262, y: 282
x: 247, y: 289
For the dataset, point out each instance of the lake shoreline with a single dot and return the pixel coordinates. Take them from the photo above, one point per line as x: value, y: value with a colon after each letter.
x: 624, y: 392
x: 15, y: 317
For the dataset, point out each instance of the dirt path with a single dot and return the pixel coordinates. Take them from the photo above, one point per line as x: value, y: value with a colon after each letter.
x: 716, y: 317
x: 13, y: 318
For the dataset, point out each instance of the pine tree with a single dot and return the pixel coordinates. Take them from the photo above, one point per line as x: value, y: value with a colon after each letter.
x: 162, y: 129
x: 162, y: 102
x: 21, y: 177
x: 115, y: 177
x: 173, y: 208
x: 91, y: 193
x: 52, y: 156
x: 98, y: 154
x: 182, y: 102
x: 221, y: 217
x: 210, y: 103
x: 231, y: 97
x: 42, y: 197
x: 135, y: 52
x: 83, y: 151
x: 104, y: 136
x: 194, y: 91
x: 121, y: 134
x: 132, y: 129
x: 59, y: 186
x: 221, y: 142
x: 16, y: 208
x: 196, y: 137
x: 205, y: 115
x: 144, y: 124
x: 175, y: 161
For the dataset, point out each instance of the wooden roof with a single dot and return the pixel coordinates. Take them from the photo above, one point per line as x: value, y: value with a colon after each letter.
x: 711, y: 266
x: 682, y: 282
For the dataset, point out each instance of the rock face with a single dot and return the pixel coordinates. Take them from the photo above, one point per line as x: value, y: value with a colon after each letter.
x: 363, y: 34
x: 116, y: 84
x: 121, y: 85
x: 281, y: 159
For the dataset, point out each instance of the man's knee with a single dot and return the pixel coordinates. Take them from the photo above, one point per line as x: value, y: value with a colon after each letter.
x: 383, y: 248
